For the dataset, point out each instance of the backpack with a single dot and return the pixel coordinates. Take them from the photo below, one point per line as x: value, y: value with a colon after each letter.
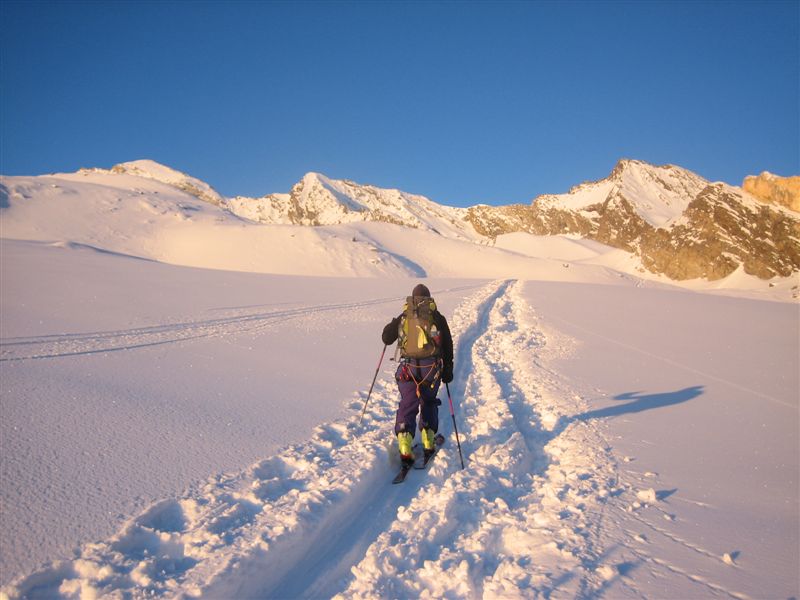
x: 419, y: 336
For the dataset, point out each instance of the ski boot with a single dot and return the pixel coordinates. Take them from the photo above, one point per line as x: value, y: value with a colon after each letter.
x: 428, y: 442
x: 404, y: 442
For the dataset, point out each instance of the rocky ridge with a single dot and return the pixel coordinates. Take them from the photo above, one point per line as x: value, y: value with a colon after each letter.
x: 679, y: 224
x: 318, y: 200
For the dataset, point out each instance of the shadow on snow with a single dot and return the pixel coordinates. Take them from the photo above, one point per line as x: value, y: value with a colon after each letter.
x: 641, y: 402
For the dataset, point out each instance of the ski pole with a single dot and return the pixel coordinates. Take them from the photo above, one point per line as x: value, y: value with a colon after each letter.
x: 378, y: 368
x: 455, y: 427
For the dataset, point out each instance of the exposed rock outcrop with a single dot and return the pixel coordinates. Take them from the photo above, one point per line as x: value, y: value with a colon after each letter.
x: 679, y: 224
x: 722, y: 229
x: 774, y: 189
x: 319, y: 200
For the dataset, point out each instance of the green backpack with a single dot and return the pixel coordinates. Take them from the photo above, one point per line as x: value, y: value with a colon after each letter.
x: 419, y: 336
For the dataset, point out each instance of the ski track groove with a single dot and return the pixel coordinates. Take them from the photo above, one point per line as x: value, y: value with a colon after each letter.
x: 677, y: 539
x: 526, y: 518
x: 243, y: 320
x: 56, y: 346
x: 697, y: 579
x: 452, y: 532
x: 519, y: 499
x: 239, y: 533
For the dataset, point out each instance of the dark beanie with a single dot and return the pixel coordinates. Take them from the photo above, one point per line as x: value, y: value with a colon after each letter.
x: 421, y: 290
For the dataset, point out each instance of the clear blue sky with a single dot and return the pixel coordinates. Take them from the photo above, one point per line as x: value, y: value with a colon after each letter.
x: 469, y: 102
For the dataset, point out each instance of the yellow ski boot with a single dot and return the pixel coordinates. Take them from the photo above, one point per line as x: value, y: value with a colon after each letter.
x: 404, y: 441
x: 428, y: 442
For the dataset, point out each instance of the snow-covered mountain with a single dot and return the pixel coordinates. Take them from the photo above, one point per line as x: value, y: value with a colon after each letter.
x: 150, y: 169
x: 147, y: 218
x: 318, y: 200
x: 657, y: 194
x: 143, y: 216
x: 678, y: 223
x: 666, y: 221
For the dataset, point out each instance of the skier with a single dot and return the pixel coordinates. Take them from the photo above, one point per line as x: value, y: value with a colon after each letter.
x: 426, y: 351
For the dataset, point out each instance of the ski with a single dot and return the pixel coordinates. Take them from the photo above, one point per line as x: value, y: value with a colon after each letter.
x: 406, y: 467
x: 401, y: 476
x: 438, y: 443
x: 420, y: 462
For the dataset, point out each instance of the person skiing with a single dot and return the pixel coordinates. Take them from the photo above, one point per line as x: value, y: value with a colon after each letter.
x: 426, y: 360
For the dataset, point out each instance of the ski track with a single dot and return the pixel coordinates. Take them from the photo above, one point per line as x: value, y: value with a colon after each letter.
x: 540, y: 511
x: 56, y: 346
x: 240, y: 320
x: 518, y: 521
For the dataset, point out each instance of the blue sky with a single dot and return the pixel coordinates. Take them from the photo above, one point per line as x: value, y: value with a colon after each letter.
x: 464, y: 102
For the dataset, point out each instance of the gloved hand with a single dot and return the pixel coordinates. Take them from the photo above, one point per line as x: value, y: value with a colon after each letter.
x: 447, y: 374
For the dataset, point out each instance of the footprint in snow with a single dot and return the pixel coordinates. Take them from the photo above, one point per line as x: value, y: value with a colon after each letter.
x: 167, y: 516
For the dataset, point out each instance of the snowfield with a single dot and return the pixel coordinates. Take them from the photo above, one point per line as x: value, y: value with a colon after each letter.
x: 174, y: 431
x: 607, y: 451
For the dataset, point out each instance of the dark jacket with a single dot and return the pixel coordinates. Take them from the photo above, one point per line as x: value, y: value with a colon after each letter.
x: 392, y: 331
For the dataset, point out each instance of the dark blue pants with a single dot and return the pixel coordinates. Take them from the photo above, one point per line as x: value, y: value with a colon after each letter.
x: 426, y: 378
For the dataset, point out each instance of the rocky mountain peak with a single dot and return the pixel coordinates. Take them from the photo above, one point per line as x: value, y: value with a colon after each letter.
x: 657, y: 194
x: 623, y: 165
x: 319, y: 200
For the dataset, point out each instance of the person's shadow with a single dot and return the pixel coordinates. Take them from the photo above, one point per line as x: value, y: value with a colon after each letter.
x: 638, y: 402
x: 641, y: 402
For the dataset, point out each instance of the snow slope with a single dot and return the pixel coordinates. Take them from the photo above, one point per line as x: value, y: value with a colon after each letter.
x: 126, y: 381
x: 320, y: 200
x: 147, y: 216
x: 699, y: 405
x: 149, y: 169
x: 203, y: 440
x: 150, y: 219
x: 659, y: 194
x: 144, y: 217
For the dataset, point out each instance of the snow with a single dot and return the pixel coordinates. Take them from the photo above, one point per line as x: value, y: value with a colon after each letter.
x: 556, y: 247
x: 326, y: 201
x: 150, y: 169
x: 659, y: 194
x: 146, y: 218
x: 177, y: 431
x: 709, y: 421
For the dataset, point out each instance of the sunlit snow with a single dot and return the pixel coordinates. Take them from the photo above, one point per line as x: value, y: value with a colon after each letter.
x: 181, y: 392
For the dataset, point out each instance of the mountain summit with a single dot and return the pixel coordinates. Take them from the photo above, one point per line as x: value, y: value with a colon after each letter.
x: 150, y: 169
x: 657, y: 194
x: 319, y: 200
